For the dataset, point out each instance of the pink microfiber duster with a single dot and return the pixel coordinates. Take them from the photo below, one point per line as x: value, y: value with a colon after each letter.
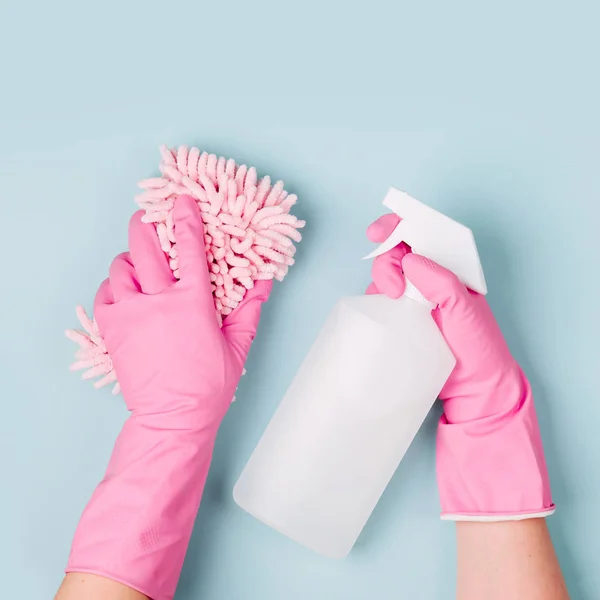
x: 249, y: 235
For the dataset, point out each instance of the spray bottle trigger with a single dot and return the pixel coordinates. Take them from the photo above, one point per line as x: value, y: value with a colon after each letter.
x: 396, y: 237
x: 436, y: 236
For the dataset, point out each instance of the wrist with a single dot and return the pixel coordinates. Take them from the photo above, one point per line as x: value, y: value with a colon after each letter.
x: 493, y: 468
x: 140, y: 518
x: 497, y: 395
x: 179, y: 412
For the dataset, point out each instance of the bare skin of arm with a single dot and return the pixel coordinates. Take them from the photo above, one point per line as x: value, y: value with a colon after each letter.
x: 511, y: 559
x: 83, y: 586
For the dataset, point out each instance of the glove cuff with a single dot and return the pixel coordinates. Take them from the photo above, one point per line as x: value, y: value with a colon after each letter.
x: 493, y: 468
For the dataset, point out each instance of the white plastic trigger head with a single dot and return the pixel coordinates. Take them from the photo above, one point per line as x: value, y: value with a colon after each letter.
x: 436, y: 236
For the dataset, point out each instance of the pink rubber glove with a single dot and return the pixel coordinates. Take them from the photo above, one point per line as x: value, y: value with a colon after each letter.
x: 178, y: 372
x: 490, y: 458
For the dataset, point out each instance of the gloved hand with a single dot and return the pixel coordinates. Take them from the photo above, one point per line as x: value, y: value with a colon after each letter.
x: 178, y: 372
x: 490, y: 458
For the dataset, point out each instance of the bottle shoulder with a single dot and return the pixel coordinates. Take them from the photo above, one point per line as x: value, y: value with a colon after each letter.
x: 401, y: 312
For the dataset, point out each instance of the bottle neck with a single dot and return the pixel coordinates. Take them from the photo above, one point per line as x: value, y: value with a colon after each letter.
x: 414, y: 294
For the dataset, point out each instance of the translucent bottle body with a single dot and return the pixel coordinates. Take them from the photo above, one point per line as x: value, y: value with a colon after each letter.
x: 346, y: 421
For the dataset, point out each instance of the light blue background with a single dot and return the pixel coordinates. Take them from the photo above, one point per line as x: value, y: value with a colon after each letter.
x: 487, y: 111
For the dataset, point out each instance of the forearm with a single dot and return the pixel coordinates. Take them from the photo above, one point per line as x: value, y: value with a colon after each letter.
x: 136, y: 528
x: 491, y: 469
x: 178, y: 371
x: 511, y: 559
x: 86, y: 586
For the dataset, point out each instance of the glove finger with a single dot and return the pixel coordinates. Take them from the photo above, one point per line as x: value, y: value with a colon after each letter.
x: 372, y: 290
x: 104, y: 295
x: 387, y: 273
x: 381, y: 229
x: 239, y: 328
x: 102, y: 302
x: 191, y: 254
x: 123, y: 278
x: 436, y: 283
x: 151, y: 263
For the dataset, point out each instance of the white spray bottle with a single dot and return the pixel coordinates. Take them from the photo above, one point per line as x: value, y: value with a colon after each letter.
x: 358, y: 399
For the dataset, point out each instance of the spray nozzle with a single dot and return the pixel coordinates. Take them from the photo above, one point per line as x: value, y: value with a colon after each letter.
x: 436, y: 236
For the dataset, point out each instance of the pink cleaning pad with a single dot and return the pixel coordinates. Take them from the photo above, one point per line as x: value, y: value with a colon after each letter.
x: 249, y: 235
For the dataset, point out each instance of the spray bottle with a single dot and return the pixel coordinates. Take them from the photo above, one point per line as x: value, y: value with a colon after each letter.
x: 359, y: 398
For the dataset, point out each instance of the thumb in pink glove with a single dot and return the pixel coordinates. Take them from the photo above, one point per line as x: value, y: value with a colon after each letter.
x: 490, y: 458
x: 178, y: 372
